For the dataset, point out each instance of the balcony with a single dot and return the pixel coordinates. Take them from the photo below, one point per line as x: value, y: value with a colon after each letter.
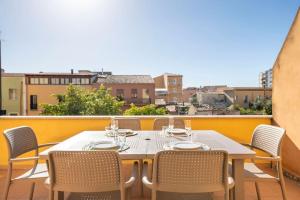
x: 53, y: 129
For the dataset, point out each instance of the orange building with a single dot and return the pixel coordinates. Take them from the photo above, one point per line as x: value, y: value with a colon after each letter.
x: 40, y: 88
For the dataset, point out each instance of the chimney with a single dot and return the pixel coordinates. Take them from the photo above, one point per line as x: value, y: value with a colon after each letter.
x: 72, y: 71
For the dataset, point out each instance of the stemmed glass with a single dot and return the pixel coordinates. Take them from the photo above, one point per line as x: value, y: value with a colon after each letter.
x: 171, y: 123
x: 188, y: 128
x: 114, y: 129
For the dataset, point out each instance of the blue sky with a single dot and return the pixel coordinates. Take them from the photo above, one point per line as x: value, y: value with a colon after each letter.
x: 207, y: 41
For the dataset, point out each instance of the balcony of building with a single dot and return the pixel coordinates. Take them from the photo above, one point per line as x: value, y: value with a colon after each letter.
x: 57, y: 129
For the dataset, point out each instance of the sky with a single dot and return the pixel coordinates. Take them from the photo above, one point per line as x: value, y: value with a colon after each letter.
x: 209, y: 42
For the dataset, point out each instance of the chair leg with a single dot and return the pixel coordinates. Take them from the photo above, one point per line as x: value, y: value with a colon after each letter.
x: 231, y: 194
x: 6, y: 191
x: 282, y: 186
x: 31, y: 191
x: 226, y: 195
x: 257, y: 191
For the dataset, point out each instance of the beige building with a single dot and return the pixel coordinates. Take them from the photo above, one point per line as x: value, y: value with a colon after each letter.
x: 13, y: 93
x: 243, y: 96
x: 168, y: 87
x: 136, y: 89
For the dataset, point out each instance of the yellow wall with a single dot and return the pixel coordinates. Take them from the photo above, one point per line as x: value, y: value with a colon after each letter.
x: 12, y: 82
x: 55, y: 129
x: 286, y: 96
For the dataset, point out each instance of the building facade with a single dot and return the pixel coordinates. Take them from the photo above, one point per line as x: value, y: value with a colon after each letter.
x: 244, y: 96
x: 41, y: 88
x: 188, y: 93
x: 136, y: 89
x: 13, y: 93
x: 168, y: 87
x: 266, y: 78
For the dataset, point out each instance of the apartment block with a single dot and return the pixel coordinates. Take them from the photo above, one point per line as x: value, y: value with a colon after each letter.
x: 266, y: 78
x: 168, y: 88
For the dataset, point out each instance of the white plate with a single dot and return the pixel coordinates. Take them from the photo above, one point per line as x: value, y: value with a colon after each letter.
x: 127, y: 131
x: 105, y: 145
x: 177, y: 131
x: 186, y: 145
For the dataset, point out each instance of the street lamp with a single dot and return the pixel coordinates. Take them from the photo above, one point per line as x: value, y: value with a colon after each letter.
x: 2, y: 112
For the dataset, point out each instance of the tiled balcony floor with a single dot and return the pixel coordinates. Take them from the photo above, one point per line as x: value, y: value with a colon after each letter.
x: 269, y: 191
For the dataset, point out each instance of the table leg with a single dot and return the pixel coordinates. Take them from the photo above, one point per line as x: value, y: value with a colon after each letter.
x: 238, y: 175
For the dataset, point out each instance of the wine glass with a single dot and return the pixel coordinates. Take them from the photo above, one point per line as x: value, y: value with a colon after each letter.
x: 171, y: 123
x: 114, y: 128
x: 188, y: 128
x: 114, y: 124
x: 122, y: 138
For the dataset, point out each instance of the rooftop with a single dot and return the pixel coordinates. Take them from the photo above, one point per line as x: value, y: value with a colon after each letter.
x: 248, y: 88
x: 123, y: 79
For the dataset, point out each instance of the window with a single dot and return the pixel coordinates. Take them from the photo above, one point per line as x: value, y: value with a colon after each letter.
x: 236, y: 98
x: 120, y: 94
x: 67, y: 81
x: 173, y: 82
x: 12, y: 94
x: 76, y: 81
x: 55, y: 81
x: 43, y: 81
x: 134, y: 93
x: 85, y: 81
x: 146, y: 94
x: 62, y: 81
x: 246, y: 99
x: 33, y: 102
x: 34, y: 81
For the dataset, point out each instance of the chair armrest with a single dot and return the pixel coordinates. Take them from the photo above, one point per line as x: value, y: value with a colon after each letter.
x: 277, y: 158
x: 253, y: 147
x: 247, y: 145
x: 47, y: 144
x: 145, y: 179
x: 24, y: 159
x: 133, y: 177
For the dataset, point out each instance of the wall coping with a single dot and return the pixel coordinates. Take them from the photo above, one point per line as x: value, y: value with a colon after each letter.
x: 139, y: 116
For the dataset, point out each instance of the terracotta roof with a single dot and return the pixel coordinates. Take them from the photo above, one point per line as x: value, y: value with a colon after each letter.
x: 248, y: 88
x: 126, y: 79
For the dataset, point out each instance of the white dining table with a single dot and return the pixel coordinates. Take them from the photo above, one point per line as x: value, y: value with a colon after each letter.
x: 146, y: 144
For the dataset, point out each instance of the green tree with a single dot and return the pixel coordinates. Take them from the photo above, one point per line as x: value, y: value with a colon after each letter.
x: 79, y: 101
x: 268, y: 107
x: 145, y: 110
